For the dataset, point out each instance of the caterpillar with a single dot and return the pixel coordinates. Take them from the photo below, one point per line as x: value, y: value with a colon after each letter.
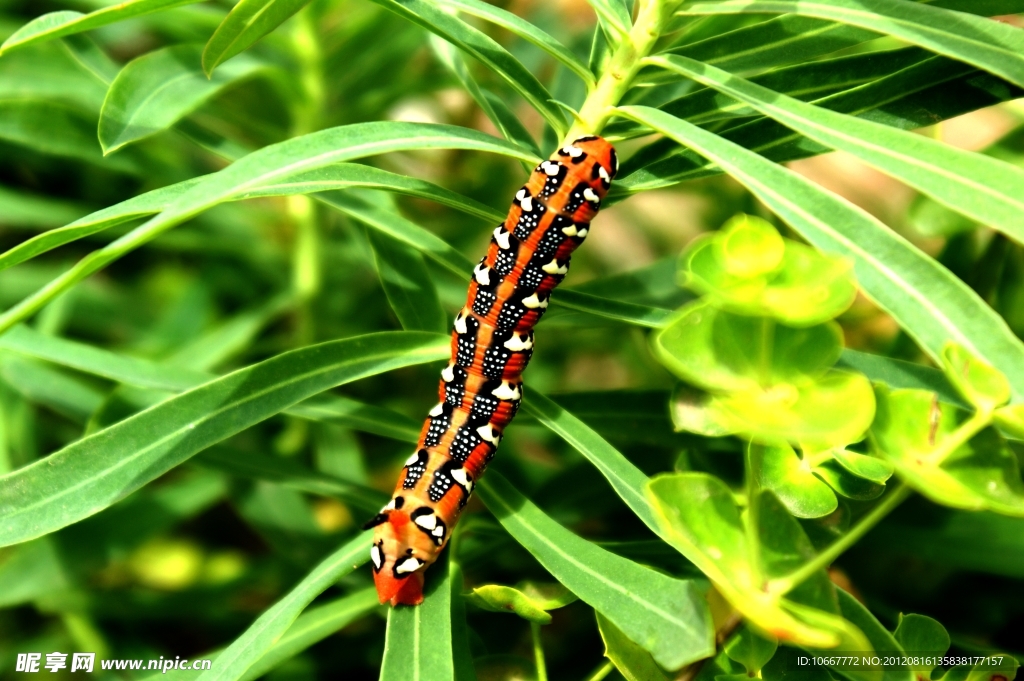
x: 492, y: 342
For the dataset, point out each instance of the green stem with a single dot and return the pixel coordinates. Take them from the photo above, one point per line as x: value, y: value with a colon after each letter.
x: 836, y: 548
x: 622, y: 67
x: 601, y: 672
x: 968, y: 429
x: 753, y: 512
x: 538, y: 652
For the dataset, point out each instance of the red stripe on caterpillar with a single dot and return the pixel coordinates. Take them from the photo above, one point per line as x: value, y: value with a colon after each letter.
x: 492, y: 343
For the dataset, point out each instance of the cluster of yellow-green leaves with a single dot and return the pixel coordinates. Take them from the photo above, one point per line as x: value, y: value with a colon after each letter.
x: 757, y: 353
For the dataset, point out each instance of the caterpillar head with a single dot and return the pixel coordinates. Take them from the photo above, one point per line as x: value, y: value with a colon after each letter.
x: 405, y: 543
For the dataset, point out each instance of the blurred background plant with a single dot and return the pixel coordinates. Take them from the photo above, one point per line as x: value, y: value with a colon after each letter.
x: 831, y: 370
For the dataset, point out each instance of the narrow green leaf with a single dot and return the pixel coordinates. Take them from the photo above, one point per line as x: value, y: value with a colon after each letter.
x: 20, y: 208
x: 924, y: 297
x: 248, y: 649
x: 407, y: 284
x: 313, y: 626
x: 56, y: 129
x: 978, y: 186
x: 922, y: 94
x: 632, y: 661
x: 291, y: 475
x: 270, y: 164
x: 788, y: 39
x: 418, y: 643
x: 330, y: 178
x: 41, y: 384
x: 897, y: 373
x: 667, y: 616
x: 483, y: 48
x: 626, y: 479
x: 60, y: 24
x: 246, y: 23
x: 493, y: 106
x: 989, y: 45
x: 613, y: 18
x: 94, y: 472
x: 525, y: 30
x: 156, y: 90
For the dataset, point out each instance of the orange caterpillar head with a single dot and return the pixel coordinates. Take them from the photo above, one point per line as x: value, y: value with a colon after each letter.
x: 408, y: 538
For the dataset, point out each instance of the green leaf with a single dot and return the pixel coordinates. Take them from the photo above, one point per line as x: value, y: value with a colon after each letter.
x: 333, y: 177
x: 924, y: 297
x: 981, y: 187
x: 847, y: 484
x: 25, y: 209
x: 96, y: 471
x: 246, y: 23
x: 627, y: 480
x: 701, y: 520
x: 248, y: 649
x: 632, y: 661
x: 882, y: 642
x: 266, y: 166
x: 749, y: 269
x: 718, y: 350
x: 751, y: 649
x: 525, y: 30
x: 779, y: 469
x: 156, y: 90
x: 923, y: 635
x: 667, y: 616
x: 497, y: 598
x: 493, y: 106
x: 922, y: 94
x: 56, y: 129
x: 897, y: 373
x: 407, y: 284
x: 418, y: 644
x: 989, y: 45
x: 32, y: 570
x: 614, y: 19
x: 941, y: 454
x: 787, y: 39
x: 863, y: 466
x: 483, y: 48
x: 60, y: 24
x: 978, y: 382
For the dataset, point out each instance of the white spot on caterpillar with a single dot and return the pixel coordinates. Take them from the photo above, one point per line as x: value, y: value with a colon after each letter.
x: 570, y: 230
x: 427, y: 522
x: 591, y: 196
x: 507, y: 391
x: 533, y: 302
x: 501, y: 237
x: 603, y: 174
x: 460, y: 476
x: 438, y: 410
x: 554, y: 268
x: 550, y: 168
x: 390, y: 506
x: 582, y: 233
x: 482, y: 273
x: 519, y: 343
x: 448, y: 373
x: 438, y: 531
x: 376, y: 556
x: 489, y: 435
x: 413, y: 459
x: 525, y: 200
x: 460, y: 323
x: 572, y: 152
x: 409, y: 565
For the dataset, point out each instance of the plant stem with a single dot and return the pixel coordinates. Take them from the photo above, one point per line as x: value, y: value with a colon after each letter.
x: 538, y: 652
x: 622, y: 67
x: 601, y: 672
x: 836, y: 548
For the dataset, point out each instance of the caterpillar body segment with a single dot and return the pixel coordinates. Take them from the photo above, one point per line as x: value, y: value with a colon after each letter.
x: 492, y: 342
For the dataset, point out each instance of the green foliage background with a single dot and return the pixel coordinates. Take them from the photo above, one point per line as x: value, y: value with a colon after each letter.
x: 233, y: 239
